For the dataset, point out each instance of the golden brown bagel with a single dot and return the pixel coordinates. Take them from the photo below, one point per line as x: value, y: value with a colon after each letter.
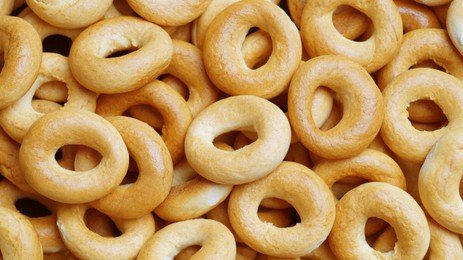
x: 44, y: 226
x: 304, y: 190
x: 320, y: 37
x: 361, y: 120
x: 87, y: 244
x: 18, y: 239
x: 385, y: 201
x: 222, y: 49
x: 421, y: 83
x: 173, y: 108
x: 169, y: 13
x: 18, y: 117
x: 215, y: 239
x: 455, y: 24
x: 70, y: 14
x: 22, y: 50
x: 149, y: 152
x: 90, y: 65
x: 65, y: 127
x: 248, y: 163
x: 439, y: 181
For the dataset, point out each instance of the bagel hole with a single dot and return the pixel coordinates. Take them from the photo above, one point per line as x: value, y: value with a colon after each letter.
x: 86, y: 158
x: 2, y: 177
x: 57, y: 43
x: 336, y: 114
x: 341, y: 187
x: 227, y: 138
x: 132, y: 173
x: 384, y: 240
x: 286, y: 217
x: 427, y: 64
x: 244, y: 138
x: 426, y: 115
x: 177, y: 84
x: 188, y: 252
x: 147, y: 114
x: 101, y: 224
x: 123, y: 52
x: 352, y: 23
x: 54, y: 91
x: 31, y: 208
x: 256, y: 48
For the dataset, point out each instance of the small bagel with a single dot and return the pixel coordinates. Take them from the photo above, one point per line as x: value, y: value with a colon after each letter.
x: 45, y: 29
x: 248, y: 163
x: 455, y: 24
x: 18, y: 239
x: 9, y: 162
x: 416, y: 16
x: 18, y: 117
x: 22, y: 50
x: 191, y: 195
x: 387, y: 202
x: 216, y: 240
x: 439, y: 181
x: 369, y: 164
x: 168, y: 13
x: 361, y: 120
x: 304, y: 190
x: 91, y: 67
x: 65, y: 127
x: 350, y: 22
x: 320, y: 37
x: 421, y: 45
x: 150, y: 153
x: 45, y: 226
x: 173, y: 108
x: 201, y: 24
x: 86, y: 244
x: 70, y: 14
x: 222, y: 49
x: 444, y: 244
x: 421, y: 83
x: 187, y: 65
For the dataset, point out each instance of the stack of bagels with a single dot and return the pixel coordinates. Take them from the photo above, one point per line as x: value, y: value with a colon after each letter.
x: 231, y: 129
